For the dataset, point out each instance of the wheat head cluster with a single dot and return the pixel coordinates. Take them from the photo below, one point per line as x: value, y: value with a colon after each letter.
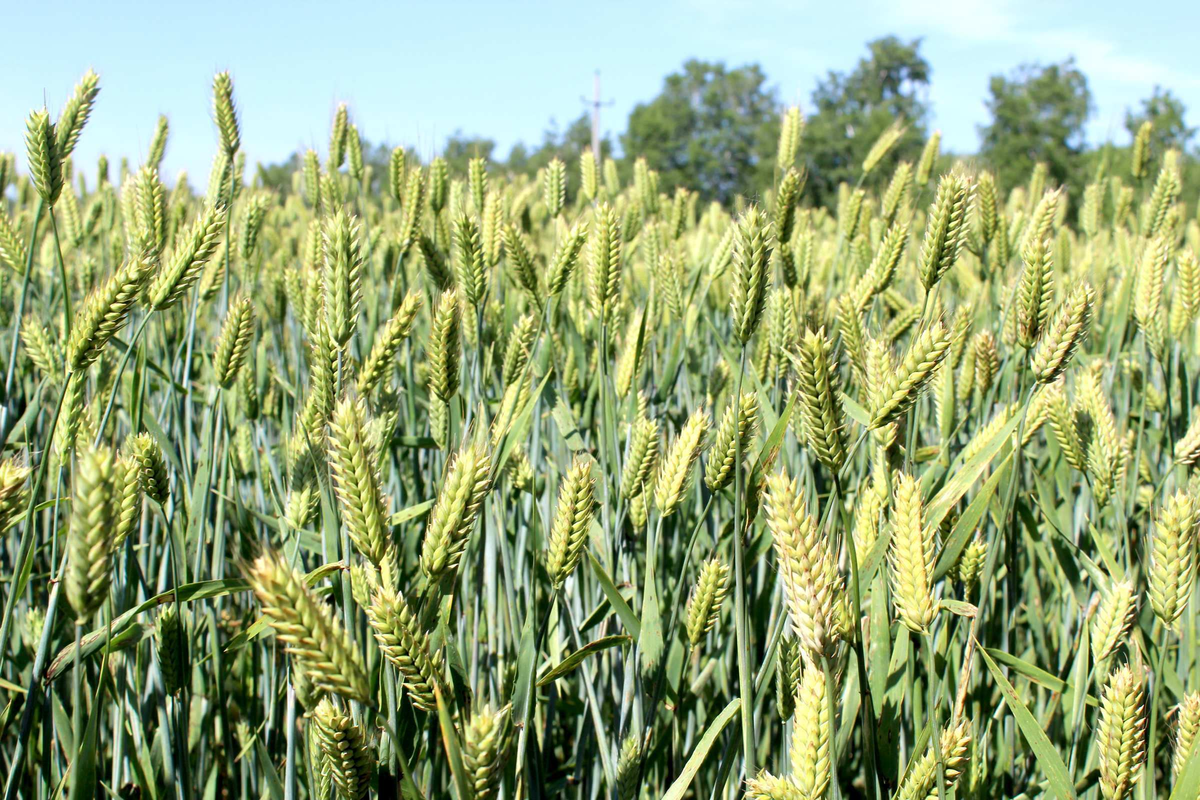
x: 413, y: 484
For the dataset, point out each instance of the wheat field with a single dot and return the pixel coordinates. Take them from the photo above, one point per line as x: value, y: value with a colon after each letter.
x: 435, y: 485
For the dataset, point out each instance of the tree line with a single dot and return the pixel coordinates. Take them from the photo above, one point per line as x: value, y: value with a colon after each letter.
x: 714, y: 128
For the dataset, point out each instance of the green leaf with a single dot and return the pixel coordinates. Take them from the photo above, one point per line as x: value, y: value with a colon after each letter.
x: 571, y: 662
x: 679, y: 788
x: 96, y: 639
x: 966, y: 474
x: 628, y: 618
x: 968, y: 522
x: 274, y: 785
x: 450, y: 741
x: 83, y: 766
x: 1047, y: 757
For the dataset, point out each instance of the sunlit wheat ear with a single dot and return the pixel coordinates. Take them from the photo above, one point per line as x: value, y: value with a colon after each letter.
x: 347, y: 753
x: 786, y: 197
x: 628, y: 767
x: 354, y: 465
x: 486, y: 737
x: 750, y: 276
x: 1121, y: 734
x: 158, y: 144
x: 791, y: 130
x: 90, y: 535
x: 12, y: 246
x: 45, y: 166
x: 128, y: 496
x: 704, y: 605
x: 902, y: 389
x: 171, y: 649
x: 572, y: 522
x: 1064, y: 334
x: 911, y: 558
x: 566, y: 259
x: 1139, y: 153
x: 554, y: 187
x: 589, y: 183
x: 641, y: 459
x: 814, y: 589
x: 731, y: 435
x: 307, y: 628
x: 820, y: 399
x: 604, y: 269
x: 445, y: 346
x: 1187, y: 449
x: 13, y: 492
x: 519, y: 349
x: 1187, y: 724
x: 1112, y: 618
x: 886, y: 141
x: 812, y: 765
x: 1173, y: 558
x: 233, y: 342
x: 970, y: 562
x: 103, y: 313
x: 469, y: 268
x: 453, y: 516
x: 75, y: 113
x: 1147, y: 300
x: 1162, y: 198
x: 920, y: 780
x: 439, y: 184
x: 343, y: 275
x: 869, y: 508
x: 380, y: 361
x: 518, y: 252
x: 46, y: 355
x: 225, y: 113
x: 406, y: 646
x: 184, y: 265
x: 946, y: 228
x: 771, y: 787
x: 929, y: 156
x: 149, y: 223
x: 1034, y: 293
x: 676, y: 468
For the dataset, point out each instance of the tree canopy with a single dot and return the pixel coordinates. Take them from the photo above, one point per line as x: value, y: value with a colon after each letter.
x: 1038, y: 114
x: 852, y: 109
x: 711, y: 128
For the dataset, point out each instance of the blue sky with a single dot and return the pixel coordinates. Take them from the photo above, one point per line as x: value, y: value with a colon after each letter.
x: 414, y: 73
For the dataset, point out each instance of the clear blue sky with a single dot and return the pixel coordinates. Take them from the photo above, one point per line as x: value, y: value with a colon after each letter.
x: 415, y: 73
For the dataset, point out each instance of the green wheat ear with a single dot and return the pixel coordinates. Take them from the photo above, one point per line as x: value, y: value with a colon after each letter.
x: 225, y: 114
x: 750, y: 277
x: 307, y: 628
x: 90, y: 537
x: 347, y: 754
x: 233, y: 342
x: 1121, y: 735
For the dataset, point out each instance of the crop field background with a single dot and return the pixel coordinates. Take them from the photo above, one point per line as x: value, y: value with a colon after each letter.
x: 384, y: 476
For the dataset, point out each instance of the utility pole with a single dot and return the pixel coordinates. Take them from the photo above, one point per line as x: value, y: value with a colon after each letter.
x: 596, y: 116
x: 596, y: 103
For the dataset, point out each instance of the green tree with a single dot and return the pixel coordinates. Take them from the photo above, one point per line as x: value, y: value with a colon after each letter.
x: 712, y: 129
x: 1038, y: 114
x: 851, y: 110
x: 1165, y: 112
x: 460, y: 149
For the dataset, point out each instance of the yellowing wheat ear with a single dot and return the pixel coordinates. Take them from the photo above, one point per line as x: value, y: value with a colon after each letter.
x: 1121, y: 735
x: 815, y: 591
